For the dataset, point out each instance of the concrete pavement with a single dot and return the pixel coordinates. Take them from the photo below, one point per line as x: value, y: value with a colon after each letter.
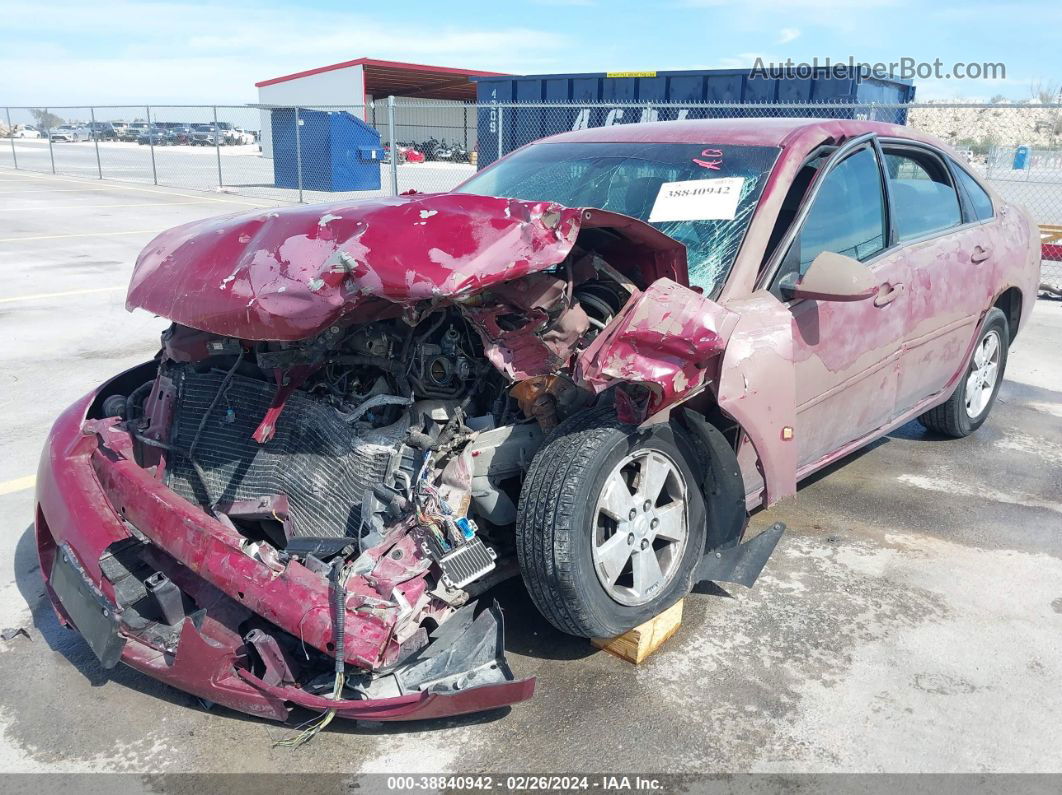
x: 910, y: 620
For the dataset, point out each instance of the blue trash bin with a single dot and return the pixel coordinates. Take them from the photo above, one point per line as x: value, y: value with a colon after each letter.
x: 338, y: 151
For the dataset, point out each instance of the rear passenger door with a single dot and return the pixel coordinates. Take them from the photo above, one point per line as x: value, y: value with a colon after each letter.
x: 949, y: 255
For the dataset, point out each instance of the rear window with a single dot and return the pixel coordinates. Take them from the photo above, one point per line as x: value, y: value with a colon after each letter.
x: 703, y: 195
x: 923, y: 199
x: 980, y: 201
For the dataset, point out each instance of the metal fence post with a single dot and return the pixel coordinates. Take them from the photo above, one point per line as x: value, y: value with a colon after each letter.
x: 501, y: 140
x: 96, y: 140
x: 11, y: 132
x: 217, y: 145
x: 394, y: 144
x: 151, y: 145
x: 48, y: 132
x: 298, y: 153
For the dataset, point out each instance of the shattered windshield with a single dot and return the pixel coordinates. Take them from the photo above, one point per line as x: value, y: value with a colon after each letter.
x: 703, y: 195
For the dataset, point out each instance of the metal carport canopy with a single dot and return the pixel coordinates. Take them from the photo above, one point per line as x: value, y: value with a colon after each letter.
x: 386, y: 78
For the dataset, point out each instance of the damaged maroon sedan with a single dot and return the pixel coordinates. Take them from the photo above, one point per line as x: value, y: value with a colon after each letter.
x: 583, y: 368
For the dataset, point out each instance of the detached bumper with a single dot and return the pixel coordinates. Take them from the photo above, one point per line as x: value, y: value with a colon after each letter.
x: 90, y: 497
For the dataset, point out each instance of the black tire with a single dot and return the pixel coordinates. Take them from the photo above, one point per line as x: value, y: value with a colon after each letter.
x: 952, y: 418
x: 556, y: 520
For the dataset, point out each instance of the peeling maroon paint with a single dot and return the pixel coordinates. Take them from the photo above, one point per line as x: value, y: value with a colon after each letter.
x: 663, y: 339
x: 288, y: 274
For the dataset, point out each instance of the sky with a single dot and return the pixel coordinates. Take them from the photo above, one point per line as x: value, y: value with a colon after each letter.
x: 184, y: 51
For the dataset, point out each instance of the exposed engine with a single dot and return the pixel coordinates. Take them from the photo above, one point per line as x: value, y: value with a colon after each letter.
x: 389, y: 451
x: 341, y: 456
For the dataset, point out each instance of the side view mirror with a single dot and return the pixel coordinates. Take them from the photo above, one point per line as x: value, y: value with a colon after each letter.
x: 831, y: 277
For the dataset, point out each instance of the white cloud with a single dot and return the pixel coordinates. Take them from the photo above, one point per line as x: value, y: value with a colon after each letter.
x: 191, y: 52
x: 786, y: 35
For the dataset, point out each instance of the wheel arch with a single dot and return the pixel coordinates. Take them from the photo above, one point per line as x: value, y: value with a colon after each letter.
x: 723, y: 486
x: 1010, y: 302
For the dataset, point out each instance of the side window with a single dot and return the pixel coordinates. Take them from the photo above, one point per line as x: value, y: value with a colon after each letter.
x: 848, y: 216
x: 980, y: 201
x: 923, y: 197
x: 793, y: 197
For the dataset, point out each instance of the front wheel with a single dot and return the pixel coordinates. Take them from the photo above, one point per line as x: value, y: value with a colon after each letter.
x: 968, y: 407
x: 611, y: 525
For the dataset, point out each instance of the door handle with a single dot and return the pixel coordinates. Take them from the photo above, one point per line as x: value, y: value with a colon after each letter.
x: 980, y: 254
x: 887, y: 293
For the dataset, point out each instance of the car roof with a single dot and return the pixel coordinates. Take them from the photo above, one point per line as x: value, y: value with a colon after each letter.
x: 748, y: 131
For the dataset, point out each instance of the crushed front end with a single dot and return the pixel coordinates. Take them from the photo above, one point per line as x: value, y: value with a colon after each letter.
x: 250, y: 601
x: 298, y: 502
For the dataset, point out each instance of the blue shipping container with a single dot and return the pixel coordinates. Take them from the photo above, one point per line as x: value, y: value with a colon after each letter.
x: 512, y: 127
x: 339, y: 152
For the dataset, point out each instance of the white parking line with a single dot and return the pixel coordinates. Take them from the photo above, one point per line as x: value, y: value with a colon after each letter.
x: 80, y: 234
x: 46, y: 190
x: 33, y: 177
x: 61, y: 294
x: 18, y: 484
x: 49, y: 208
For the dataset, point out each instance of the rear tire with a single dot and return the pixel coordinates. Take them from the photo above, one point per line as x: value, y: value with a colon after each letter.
x: 593, y: 482
x: 969, y: 406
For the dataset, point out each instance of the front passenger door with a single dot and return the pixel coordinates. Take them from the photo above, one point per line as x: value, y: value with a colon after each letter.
x: 845, y: 353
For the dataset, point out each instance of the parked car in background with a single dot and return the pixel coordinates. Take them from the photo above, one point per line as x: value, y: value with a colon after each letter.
x: 242, y: 137
x: 134, y: 130
x: 180, y: 133
x: 103, y: 131
x: 228, y: 133
x: 70, y: 133
x: 26, y: 131
x: 204, y: 135
x: 155, y: 135
x: 222, y: 133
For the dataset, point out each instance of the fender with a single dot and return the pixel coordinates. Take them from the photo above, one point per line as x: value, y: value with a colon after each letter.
x: 663, y: 340
x: 757, y: 387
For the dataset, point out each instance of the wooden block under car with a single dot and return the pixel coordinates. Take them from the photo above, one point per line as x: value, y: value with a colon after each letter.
x: 638, y: 643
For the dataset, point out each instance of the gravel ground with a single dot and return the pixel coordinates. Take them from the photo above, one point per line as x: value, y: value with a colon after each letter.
x: 910, y: 620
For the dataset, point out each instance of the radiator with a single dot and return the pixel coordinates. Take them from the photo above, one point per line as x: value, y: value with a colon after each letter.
x: 323, y: 466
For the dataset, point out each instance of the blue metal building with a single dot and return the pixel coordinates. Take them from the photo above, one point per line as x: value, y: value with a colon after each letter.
x: 607, y: 99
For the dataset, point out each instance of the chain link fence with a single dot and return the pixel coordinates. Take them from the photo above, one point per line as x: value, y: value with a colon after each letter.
x: 391, y: 146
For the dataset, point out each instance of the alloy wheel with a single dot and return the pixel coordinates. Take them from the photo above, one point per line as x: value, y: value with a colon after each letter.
x: 981, y: 382
x: 640, y: 527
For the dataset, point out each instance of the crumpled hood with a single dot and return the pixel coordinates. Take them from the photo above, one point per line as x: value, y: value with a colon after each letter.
x: 288, y: 273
